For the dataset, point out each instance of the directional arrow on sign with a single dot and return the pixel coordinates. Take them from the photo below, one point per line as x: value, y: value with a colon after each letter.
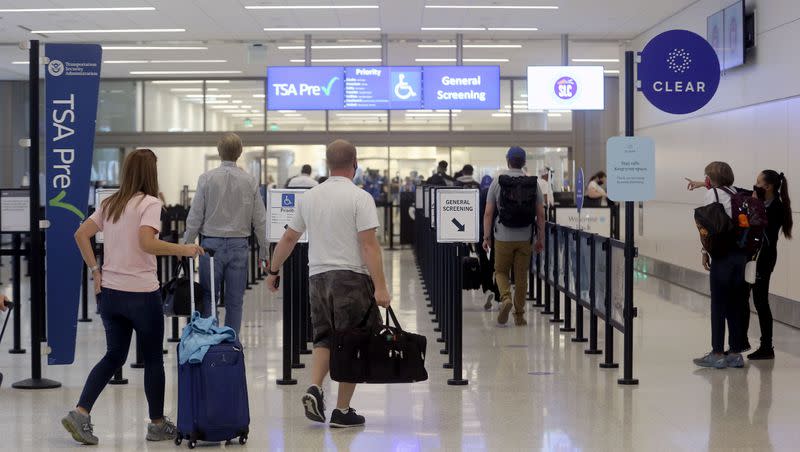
x: 459, y: 225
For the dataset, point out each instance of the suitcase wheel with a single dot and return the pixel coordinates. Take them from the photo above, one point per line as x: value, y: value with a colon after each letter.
x: 178, y: 440
x: 192, y: 444
x: 243, y: 440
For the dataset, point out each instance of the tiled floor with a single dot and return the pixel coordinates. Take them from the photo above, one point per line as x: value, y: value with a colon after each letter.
x: 529, y: 389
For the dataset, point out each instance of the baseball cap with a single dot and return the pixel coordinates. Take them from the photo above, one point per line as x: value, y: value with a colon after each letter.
x: 516, y: 152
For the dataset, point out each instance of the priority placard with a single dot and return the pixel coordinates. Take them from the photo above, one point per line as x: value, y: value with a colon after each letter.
x: 282, y: 205
x: 457, y: 215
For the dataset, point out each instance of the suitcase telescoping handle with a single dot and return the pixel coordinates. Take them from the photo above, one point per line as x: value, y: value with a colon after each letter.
x: 210, y: 253
x: 10, y: 306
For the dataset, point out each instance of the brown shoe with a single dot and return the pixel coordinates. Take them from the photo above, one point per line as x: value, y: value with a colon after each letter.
x: 519, y: 320
x: 505, y: 309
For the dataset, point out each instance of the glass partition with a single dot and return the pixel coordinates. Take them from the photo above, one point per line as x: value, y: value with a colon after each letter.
x: 358, y: 120
x: 295, y: 121
x: 173, y: 105
x: 524, y: 119
x: 486, y: 119
x: 120, y: 106
x: 491, y: 160
x: 235, y: 106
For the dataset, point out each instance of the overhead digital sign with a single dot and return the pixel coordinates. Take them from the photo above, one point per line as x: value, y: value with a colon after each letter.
x: 566, y: 88
x: 305, y: 88
x: 461, y: 87
x: 383, y: 88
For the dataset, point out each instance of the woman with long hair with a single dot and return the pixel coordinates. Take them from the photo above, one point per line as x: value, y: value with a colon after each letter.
x: 127, y: 291
x: 773, y: 189
x: 594, y: 189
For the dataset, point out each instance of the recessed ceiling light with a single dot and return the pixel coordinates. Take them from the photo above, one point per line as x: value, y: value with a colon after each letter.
x: 330, y: 47
x: 595, y: 60
x: 124, y: 61
x: 554, y: 115
x: 466, y: 60
x: 492, y: 46
x: 453, y: 28
x: 501, y: 115
x: 611, y: 71
x: 76, y: 10
x: 326, y: 29
x: 255, y: 111
x: 185, y: 90
x: 19, y: 62
x: 111, y: 30
x: 232, y: 111
x: 155, y: 48
x: 489, y: 7
x: 513, y: 29
x: 340, y: 60
x: 210, y: 96
x: 188, y: 61
x: 290, y: 7
x: 238, y: 101
x: 286, y: 111
x: 259, y: 96
x: 188, y: 82
x: 362, y: 115
x: 182, y: 72
x: 222, y: 107
x: 217, y: 81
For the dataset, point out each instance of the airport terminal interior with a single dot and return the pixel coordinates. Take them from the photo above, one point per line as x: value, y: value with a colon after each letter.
x: 631, y: 114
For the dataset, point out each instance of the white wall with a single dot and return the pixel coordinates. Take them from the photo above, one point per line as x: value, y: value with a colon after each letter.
x: 749, y: 124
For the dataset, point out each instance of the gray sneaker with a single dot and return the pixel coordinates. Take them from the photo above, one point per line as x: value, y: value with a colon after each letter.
x: 712, y: 360
x: 165, y: 431
x: 80, y: 427
x: 735, y: 360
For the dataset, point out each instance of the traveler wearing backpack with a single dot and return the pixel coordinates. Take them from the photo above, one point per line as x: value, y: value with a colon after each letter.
x: 518, y: 203
x: 725, y: 260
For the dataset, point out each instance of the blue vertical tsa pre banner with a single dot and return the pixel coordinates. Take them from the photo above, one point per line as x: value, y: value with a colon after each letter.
x: 72, y: 81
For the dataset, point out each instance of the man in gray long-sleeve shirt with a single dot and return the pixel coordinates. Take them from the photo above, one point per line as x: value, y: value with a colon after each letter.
x: 225, y: 209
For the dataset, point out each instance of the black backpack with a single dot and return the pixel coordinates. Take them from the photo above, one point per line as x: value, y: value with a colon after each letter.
x: 517, y: 204
x: 717, y: 230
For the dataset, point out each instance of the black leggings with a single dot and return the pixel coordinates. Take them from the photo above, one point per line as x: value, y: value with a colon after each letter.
x: 761, y: 302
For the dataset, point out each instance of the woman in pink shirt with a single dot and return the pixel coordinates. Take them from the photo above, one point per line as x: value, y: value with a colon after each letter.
x: 127, y: 291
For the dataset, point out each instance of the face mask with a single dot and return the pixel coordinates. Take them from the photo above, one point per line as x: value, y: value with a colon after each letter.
x: 760, y: 192
x: 708, y: 183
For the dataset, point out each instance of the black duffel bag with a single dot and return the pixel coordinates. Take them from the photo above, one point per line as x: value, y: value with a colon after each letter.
x: 471, y: 279
x: 386, y: 354
x: 176, y: 293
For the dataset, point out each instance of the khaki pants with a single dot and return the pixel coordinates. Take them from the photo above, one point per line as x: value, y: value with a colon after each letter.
x: 517, y: 256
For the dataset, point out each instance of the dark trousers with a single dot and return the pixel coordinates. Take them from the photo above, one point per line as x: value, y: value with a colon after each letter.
x: 122, y: 314
x: 729, y: 298
x: 765, y: 266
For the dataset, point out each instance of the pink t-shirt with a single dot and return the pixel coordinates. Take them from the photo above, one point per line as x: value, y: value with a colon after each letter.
x: 125, y: 266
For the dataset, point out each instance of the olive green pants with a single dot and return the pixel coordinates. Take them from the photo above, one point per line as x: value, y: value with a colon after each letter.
x: 516, y: 256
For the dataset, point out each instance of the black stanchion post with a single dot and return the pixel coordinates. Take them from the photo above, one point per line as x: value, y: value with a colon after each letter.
x: 175, y: 337
x: 548, y: 271
x: 287, y: 379
x: 16, y: 294
x: 305, y: 308
x: 593, y: 350
x: 36, y: 248
x: 446, y: 310
x: 538, y: 302
x: 457, y: 326
x: 118, y: 378
x: 567, y: 328
x: 138, y: 364
x: 579, y: 337
x: 609, y: 357
x: 556, y: 290
x: 85, y: 295
x: 296, y: 282
x: 629, y: 311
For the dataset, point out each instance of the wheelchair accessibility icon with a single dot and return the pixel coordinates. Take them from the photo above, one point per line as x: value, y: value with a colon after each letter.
x: 403, y: 90
x: 287, y: 200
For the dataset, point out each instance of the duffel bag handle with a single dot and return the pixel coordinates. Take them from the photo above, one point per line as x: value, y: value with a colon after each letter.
x: 390, y: 314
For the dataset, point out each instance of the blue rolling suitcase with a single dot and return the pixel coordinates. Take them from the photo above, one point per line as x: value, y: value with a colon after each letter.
x: 212, y: 395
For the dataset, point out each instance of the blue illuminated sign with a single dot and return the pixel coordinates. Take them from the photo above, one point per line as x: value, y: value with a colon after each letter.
x: 383, y: 88
x: 305, y: 88
x: 461, y: 87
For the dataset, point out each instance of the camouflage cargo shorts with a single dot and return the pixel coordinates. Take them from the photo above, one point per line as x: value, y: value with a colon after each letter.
x: 340, y: 299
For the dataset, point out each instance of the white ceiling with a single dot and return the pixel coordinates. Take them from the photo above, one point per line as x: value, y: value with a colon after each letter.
x: 229, y: 30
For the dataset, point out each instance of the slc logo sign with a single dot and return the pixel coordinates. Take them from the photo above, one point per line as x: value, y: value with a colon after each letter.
x: 566, y: 88
x: 287, y: 200
x: 679, y: 72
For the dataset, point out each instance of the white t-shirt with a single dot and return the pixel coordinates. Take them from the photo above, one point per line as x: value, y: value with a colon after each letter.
x: 334, y: 213
x: 724, y: 199
x: 302, y: 181
x: 546, y: 190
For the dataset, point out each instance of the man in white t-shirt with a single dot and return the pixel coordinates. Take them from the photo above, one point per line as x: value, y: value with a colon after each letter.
x: 544, y: 186
x: 345, y: 267
x: 303, y: 180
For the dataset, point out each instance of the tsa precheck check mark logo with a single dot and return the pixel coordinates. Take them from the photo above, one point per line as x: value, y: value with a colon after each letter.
x: 327, y: 89
x: 56, y: 202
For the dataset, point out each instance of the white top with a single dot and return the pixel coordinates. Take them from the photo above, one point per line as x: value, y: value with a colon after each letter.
x: 547, y: 190
x: 302, y: 181
x: 724, y: 199
x: 334, y: 213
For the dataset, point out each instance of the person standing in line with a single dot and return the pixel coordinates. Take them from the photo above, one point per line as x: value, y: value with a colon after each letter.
x: 302, y: 180
x: 594, y: 189
x: 128, y: 292
x: 345, y: 267
x: 226, y: 208
x: 466, y: 179
x: 440, y: 178
x: 519, y: 205
x: 545, y: 188
x: 729, y: 291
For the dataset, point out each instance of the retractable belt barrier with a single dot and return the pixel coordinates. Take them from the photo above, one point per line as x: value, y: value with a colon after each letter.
x: 296, y: 312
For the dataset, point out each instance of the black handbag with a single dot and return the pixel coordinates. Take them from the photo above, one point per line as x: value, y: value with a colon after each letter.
x: 471, y: 279
x: 387, y: 354
x: 176, y: 293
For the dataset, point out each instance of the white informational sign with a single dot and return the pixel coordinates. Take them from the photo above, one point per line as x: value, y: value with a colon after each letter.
x: 591, y: 220
x: 433, y: 207
x: 282, y: 205
x: 100, y: 195
x: 566, y: 88
x: 15, y: 211
x: 426, y: 203
x: 457, y: 215
x: 418, y: 195
x: 631, y: 168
